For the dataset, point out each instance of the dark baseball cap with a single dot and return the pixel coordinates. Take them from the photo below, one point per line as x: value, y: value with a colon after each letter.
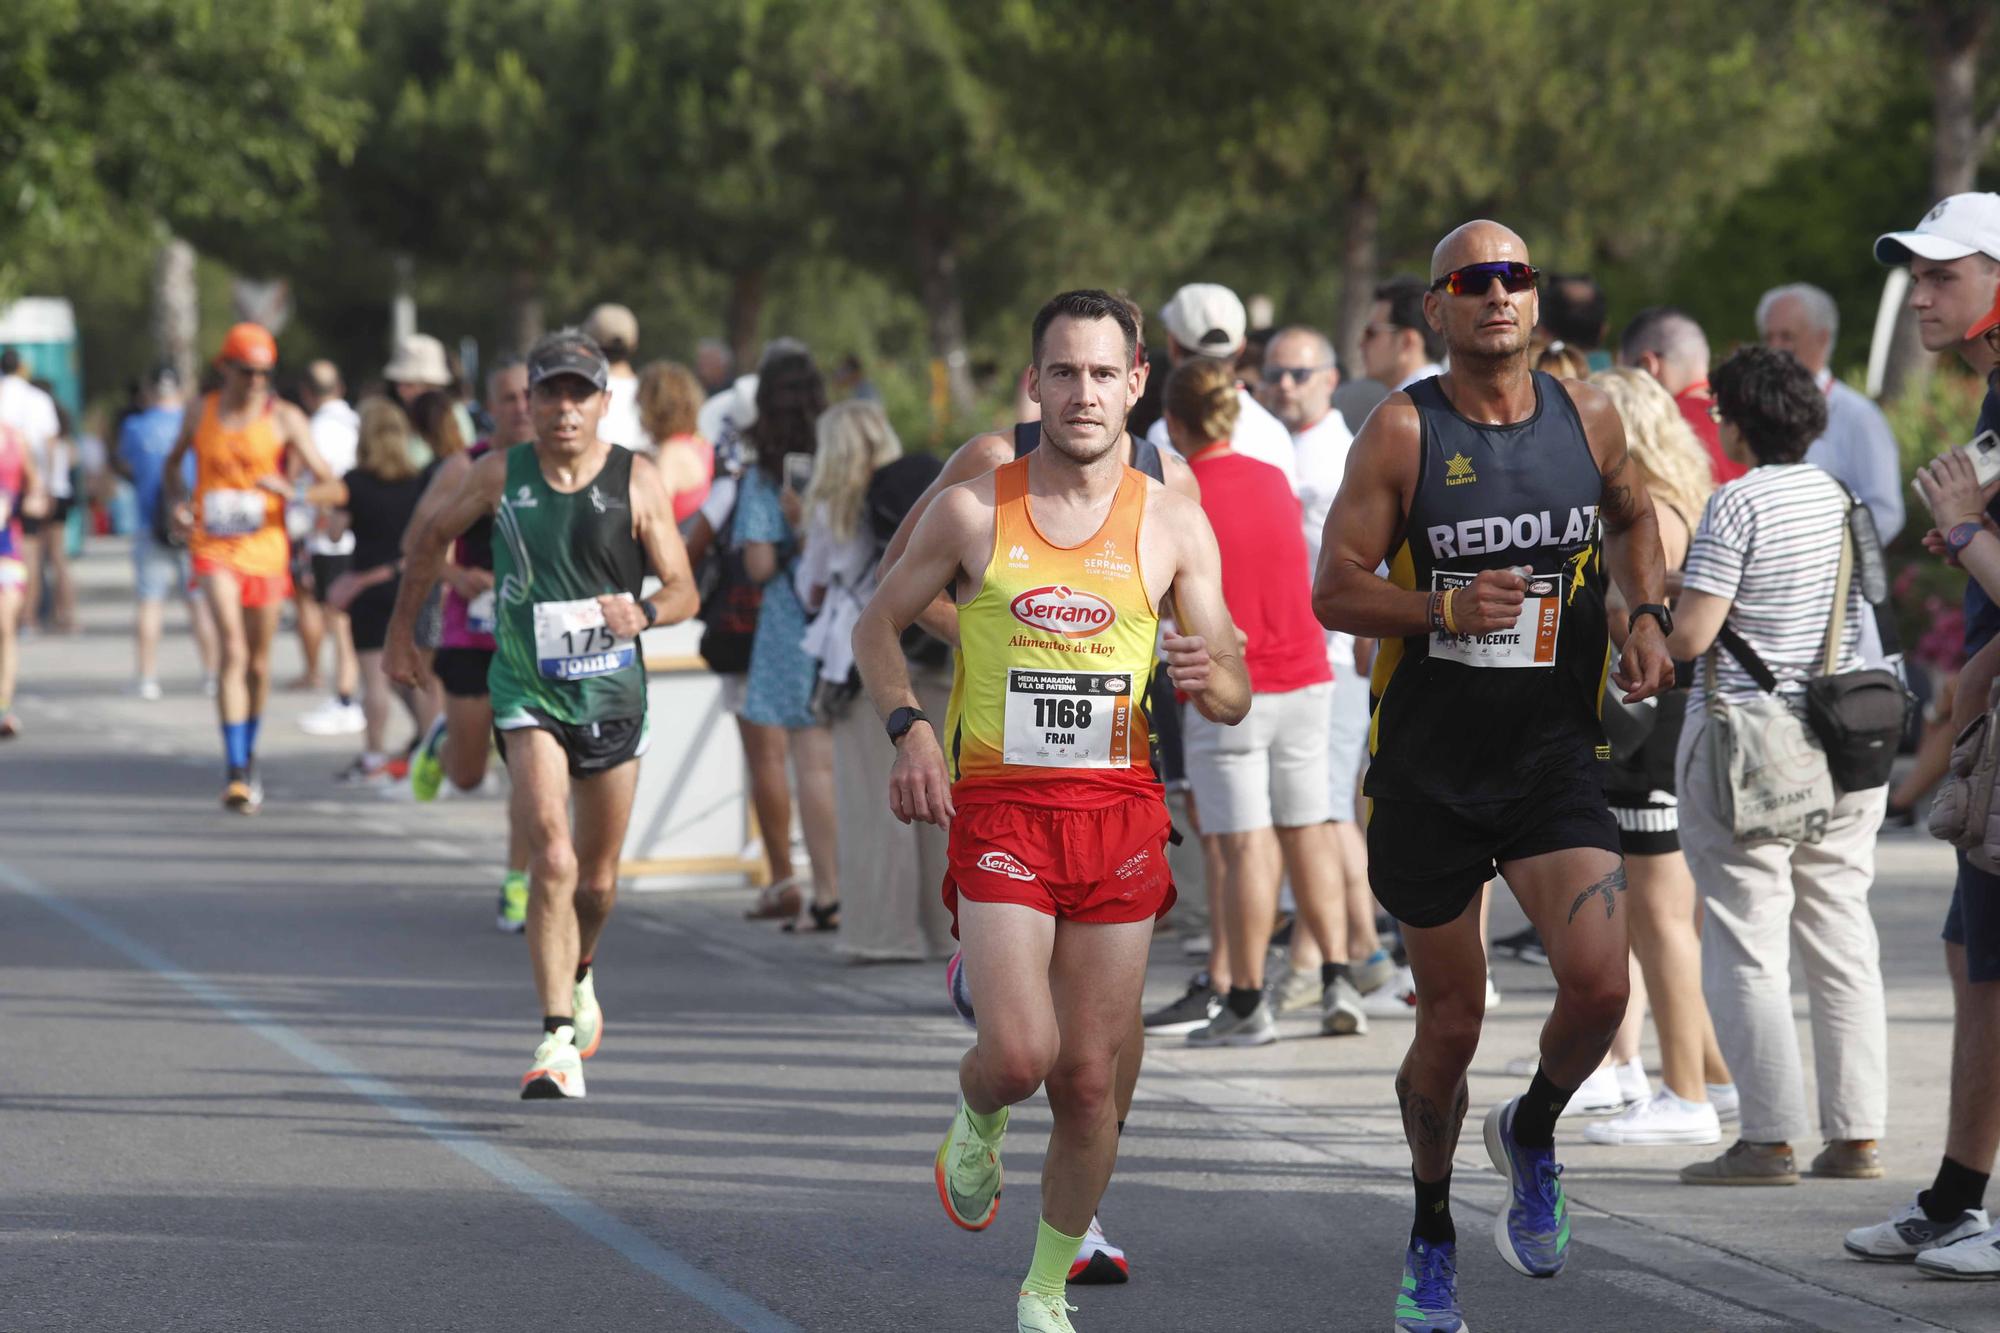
x: 569, y: 352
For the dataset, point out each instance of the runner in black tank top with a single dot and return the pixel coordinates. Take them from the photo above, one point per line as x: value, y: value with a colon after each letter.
x: 1485, y: 735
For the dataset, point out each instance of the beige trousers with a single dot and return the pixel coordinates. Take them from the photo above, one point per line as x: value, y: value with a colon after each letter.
x: 1764, y: 900
x: 891, y: 873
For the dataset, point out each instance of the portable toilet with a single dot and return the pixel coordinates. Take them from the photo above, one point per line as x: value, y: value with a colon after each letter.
x: 43, y: 330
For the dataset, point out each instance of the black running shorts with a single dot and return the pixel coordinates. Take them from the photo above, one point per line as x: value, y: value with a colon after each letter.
x: 1427, y: 861
x: 462, y: 671
x: 593, y: 748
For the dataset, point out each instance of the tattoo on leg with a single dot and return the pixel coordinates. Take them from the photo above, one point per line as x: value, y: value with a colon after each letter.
x: 1609, y: 887
x: 1428, y: 1127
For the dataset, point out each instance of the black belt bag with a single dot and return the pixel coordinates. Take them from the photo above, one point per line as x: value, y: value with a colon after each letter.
x: 1858, y: 716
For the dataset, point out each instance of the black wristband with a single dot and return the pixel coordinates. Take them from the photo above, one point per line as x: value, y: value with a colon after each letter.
x: 652, y: 616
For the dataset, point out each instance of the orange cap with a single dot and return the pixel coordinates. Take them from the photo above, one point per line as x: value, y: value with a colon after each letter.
x: 249, y: 345
x: 1989, y: 320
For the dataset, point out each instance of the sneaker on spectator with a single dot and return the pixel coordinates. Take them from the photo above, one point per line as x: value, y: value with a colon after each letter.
x: 1492, y: 993
x: 1184, y: 1015
x: 1599, y: 1095
x: 1198, y: 946
x: 1974, y: 1259
x: 1634, y: 1084
x: 1910, y: 1232
x: 1661, y: 1118
x: 334, y: 718
x: 149, y: 690
x: 1257, y: 1028
x: 1524, y: 944
x: 1340, y: 1011
x: 1372, y: 972
x: 1395, y: 998
x: 1726, y: 1101
x: 1289, y: 990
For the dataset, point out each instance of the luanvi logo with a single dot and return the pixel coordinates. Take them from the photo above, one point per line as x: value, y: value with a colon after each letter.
x: 1059, y: 610
x: 524, y: 498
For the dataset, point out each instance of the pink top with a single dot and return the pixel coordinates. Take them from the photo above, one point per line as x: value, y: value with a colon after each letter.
x: 13, y: 480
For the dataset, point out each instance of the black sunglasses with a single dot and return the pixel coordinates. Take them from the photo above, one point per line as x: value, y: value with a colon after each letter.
x: 1473, y: 280
x: 254, y: 372
x: 1296, y: 374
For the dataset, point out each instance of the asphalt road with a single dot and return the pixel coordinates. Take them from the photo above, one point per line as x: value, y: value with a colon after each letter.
x: 260, y: 1075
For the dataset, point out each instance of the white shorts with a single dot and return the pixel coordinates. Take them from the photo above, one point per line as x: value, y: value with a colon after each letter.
x: 1270, y: 769
x: 1346, y: 740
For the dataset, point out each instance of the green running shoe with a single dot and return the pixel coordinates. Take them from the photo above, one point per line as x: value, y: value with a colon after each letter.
x: 1037, y: 1313
x: 426, y: 768
x: 589, y: 1017
x: 968, y: 1175
x: 514, y: 902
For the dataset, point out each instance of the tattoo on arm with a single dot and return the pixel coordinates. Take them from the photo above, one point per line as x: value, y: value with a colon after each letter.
x: 1608, y: 888
x: 1619, y: 506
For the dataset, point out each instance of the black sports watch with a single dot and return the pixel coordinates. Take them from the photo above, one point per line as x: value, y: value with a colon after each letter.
x: 1657, y: 612
x: 902, y: 720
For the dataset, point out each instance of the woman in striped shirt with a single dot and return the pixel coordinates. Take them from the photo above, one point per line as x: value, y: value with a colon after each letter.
x: 1765, y: 562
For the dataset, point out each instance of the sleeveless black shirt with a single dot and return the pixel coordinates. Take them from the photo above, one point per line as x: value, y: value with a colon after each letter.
x: 1460, y: 720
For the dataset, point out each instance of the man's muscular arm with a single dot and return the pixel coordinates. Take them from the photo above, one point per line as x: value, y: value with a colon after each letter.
x: 1631, y: 544
x: 423, y: 560
x: 1204, y: 660
x: 1367, y: 520
x: 919, y: 786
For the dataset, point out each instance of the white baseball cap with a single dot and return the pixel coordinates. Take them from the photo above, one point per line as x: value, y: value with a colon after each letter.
x: 1206, y: 318
x: 1964, y: 224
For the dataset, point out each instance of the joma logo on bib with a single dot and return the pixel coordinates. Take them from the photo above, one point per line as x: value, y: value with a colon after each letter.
x: 1485, y: 536
x: 1064, y: 611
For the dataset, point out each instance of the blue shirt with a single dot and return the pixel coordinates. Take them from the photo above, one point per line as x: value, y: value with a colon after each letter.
x: 143, y: 445
x: 1982, y: 617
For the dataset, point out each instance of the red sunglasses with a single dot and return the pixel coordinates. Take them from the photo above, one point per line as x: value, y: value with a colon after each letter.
x: 1474, y: 279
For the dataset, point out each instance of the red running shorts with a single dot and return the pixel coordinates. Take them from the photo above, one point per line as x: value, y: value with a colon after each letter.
x: 1097, y: 867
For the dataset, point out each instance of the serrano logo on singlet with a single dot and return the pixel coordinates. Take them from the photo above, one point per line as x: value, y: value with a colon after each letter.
x: 1485, y: 536
x: 1064, y: 611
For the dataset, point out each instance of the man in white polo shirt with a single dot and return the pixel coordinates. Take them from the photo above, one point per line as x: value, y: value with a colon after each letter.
x: 1206, y: 319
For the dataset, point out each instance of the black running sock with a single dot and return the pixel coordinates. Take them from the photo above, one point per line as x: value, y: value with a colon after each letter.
x: 550, y: 1022
x: 1535, y: 1114
x: 583, y: 969
x: 346, y: 700
x: 1121, y: 1129
x: 1243, y: 1001
x: 1957, y: 1189
x: 1433, y: 1224
x: 1332, y: 972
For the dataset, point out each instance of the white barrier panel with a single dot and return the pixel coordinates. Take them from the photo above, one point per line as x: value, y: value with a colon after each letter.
x: 691, y: 820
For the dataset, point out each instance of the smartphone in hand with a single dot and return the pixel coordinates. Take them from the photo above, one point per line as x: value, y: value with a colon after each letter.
x: 799, y: 470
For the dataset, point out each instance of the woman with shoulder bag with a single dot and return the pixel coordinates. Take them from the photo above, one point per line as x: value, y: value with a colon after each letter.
x: 1770, y: 602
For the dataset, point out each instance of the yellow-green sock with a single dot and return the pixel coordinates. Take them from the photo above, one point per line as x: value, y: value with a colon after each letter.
x: 988, y: 1127
x: 1054, y: 1253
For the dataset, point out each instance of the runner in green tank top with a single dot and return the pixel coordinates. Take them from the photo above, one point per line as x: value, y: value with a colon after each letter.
x: 578, y: 523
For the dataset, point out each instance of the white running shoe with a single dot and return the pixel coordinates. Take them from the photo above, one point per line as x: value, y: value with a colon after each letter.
x: 558, y: 1069
x: 1599, y: 1095
x: 334, y: 718
x: 1910, y: 1233
x: 1727, y: 1102
x: 149, y: 690
x: 1397, y: 998
x: 1099, y: 1262
x: 1661, y: 1118
x: 589, y: 1016
x: 1492, y: 994
x: 1634, y: 1084
x: 1973, y: 1259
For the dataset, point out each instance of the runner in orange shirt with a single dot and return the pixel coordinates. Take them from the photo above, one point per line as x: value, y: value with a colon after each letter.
x: 236, y: 533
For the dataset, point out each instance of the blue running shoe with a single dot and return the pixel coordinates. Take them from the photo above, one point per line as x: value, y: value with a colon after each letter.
x: 961, y: 994
x: 1533, y: 1234
x: 1428, y: 1302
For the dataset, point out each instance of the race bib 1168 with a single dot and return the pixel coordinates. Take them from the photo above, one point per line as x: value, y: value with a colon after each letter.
x: 1069, y: 719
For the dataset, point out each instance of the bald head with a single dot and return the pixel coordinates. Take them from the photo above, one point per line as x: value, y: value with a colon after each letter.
x: 1477, y: 242
x: 323, y: 381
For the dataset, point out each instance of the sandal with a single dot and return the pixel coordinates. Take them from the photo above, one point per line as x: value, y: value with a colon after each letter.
x: 823, y: 918
x: 776, y: 902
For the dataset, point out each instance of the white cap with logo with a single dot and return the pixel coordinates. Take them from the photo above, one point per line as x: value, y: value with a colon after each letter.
x: 1207, y: 319
x: 1964, y: 224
